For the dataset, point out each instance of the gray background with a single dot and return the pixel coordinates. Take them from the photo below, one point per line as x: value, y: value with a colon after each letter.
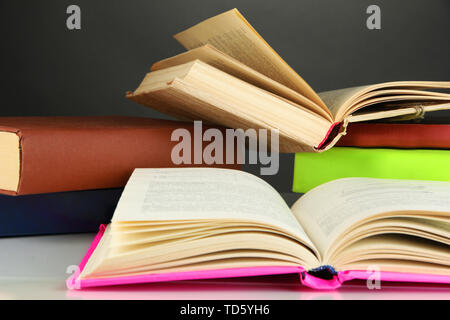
x: 49, y: 70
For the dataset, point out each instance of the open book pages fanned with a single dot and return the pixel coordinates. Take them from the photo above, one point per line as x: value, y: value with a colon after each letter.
x: 196, y: 223
x: 231, y: 76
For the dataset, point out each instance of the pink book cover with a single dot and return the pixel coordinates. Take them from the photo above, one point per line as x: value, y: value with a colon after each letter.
x: 306, y: 278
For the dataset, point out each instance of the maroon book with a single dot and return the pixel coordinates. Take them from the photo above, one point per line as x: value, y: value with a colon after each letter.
x: 389, y: 135
x: 54, y: 154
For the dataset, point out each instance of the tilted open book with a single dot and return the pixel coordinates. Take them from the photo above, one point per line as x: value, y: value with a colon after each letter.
x: 231, y: 76
x: 196, y: 223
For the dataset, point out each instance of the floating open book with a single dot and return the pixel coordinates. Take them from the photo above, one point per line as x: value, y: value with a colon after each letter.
x: 231, y: 76
x: 197, y: 223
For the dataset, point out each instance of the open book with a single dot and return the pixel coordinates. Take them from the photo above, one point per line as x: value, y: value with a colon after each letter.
x: 196, y: 223
x: 231, y: 76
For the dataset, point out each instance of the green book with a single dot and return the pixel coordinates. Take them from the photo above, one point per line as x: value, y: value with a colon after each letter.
x: 313, y: 169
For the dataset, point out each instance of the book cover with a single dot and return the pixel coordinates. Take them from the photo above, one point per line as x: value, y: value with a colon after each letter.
x: 56, y: 154
x: 57, y: 213
x: 396, y: 135
x: 313, y: 169
x: 325, y: 278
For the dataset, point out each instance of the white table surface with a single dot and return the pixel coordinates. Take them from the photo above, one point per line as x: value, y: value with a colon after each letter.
x: 35, y: 268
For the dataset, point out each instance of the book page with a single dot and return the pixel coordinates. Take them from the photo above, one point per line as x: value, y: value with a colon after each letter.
x: 337, y: 100
x: 200, y: 91
x: 342, y: 102
x: 204, y: 194
x: 231, y: 33
x: 10, y: 163
x: 400, y: 112
x: 210, y: 55
x: 403, y: 254
x: 328, y: 210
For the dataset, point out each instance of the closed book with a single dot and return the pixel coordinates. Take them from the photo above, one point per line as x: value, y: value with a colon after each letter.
x: 54, y: 213
x: 57, y: 154
x: 313, y: 169
x: 393, y: 135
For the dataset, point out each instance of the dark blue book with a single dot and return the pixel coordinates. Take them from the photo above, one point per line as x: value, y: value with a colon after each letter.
x: 56, y: 213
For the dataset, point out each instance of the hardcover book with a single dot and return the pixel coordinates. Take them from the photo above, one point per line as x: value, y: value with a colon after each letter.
x: 197, y: 223
x: 397, y: 135
x: 314, y: 169
x: 57, y: 213
x: 231, y: 76
x: 56, y: 154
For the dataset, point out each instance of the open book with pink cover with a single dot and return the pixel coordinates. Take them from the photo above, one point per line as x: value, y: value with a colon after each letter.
x: 199, y: 223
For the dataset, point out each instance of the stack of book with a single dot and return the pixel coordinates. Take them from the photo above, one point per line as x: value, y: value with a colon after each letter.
x: 379, y: 150
x: 197, y: 223
x: 66, y: 174
x: 174, y: 224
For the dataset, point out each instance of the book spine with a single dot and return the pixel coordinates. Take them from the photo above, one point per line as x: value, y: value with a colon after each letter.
x: 333, y: 135
x: 323, y: 278
x: 318, y: 283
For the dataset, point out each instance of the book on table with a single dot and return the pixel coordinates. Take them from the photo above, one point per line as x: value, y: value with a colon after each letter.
x: 231, y: 76
x: 57, y: 154
x: 197, y: 223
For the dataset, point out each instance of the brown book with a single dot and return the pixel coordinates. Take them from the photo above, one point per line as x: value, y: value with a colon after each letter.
x: 393, y: 135
x: 54, y: 154
x: 231, y: 76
